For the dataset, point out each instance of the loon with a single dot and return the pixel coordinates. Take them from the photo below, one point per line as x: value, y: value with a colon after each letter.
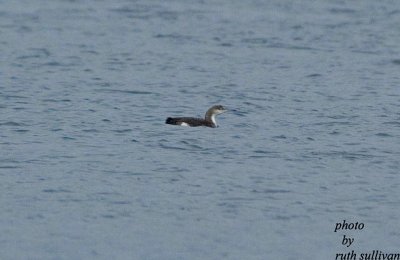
x: 208, y: 121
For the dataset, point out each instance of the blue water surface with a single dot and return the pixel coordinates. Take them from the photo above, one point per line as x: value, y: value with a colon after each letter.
x: 89, y: 170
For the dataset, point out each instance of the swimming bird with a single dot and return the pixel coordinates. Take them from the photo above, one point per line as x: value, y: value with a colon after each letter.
x: 209, y: 119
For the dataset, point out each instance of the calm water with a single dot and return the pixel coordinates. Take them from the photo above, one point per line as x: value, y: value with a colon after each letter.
x: 89, y: 170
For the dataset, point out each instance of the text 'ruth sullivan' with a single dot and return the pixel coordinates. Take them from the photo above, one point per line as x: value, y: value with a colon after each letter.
x: 374, y: 255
